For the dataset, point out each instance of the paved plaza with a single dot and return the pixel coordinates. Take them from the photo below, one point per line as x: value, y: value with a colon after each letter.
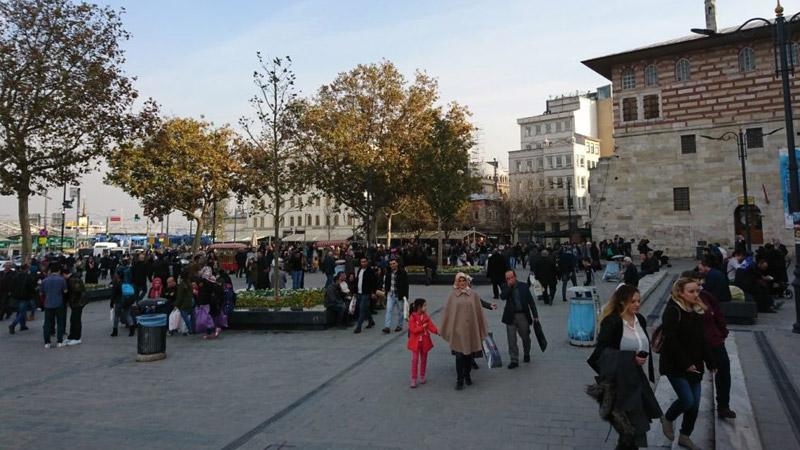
x: 321, y: 390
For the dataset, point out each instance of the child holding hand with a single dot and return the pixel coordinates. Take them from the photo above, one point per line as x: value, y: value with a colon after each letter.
x: 420, y: 328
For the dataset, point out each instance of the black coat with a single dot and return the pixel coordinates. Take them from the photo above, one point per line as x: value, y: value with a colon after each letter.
x: 402, y: 283
x: 684, y: 343
x: 610, y: 335
x: 528, y: 305
x: 370, y: 282
x: 496, y: 268
x: 631, y: 276
x: 544, y: 269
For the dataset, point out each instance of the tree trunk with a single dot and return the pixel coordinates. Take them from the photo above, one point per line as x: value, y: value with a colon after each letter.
x: 25, y: 224
x: 276, y: 277
x: 389, y: 231
x: 198, y: 233
x: 439, y: 241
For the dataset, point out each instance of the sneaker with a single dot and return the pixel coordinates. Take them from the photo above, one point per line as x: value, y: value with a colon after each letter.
x: 48, y: 345
x: 357, y: 330
x: 73, y: 342
x: 726, y: 413
x: 60, y: 345
x: 685, y: 442
x: 667, y: 429
x: 526, y: 358
x: 385, y: 330
x: 468, y: 381
x: 398, y: 329
x: 370, y: 325
x: 413, y: 384
x: 24, y: 329
x: 114, y: 332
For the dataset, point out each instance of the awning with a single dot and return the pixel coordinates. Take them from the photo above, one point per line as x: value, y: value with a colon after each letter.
x: 320, y: 235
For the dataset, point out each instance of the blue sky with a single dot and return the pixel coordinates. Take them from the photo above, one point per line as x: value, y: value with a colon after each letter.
x: 502, y: 59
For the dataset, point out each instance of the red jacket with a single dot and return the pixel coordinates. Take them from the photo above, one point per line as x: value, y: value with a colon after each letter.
x: 716, y: 330
x: 419, y: 334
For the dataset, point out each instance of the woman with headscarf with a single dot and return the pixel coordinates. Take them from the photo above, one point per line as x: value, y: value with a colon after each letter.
x: 463, y: 327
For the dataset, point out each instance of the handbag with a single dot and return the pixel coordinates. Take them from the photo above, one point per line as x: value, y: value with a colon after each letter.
x: 406, y: 308
x: 175, y: 320
x: 537, y: 330
x: 127, y: 290
x: 658, y: 339
x: 492, y: 352
x: 538, y: 290
x: 352, y: 306
x: 202, y: 319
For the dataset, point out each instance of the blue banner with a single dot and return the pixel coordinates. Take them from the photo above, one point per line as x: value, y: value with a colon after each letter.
x: 783, y: 157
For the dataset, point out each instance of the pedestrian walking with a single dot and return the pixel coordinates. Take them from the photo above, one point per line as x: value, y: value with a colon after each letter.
x: 6, y: 280
x: 55, y: 314
x: 395, y: 284
x: 518, y: 315
x: 420, y: 327
x: 463, y: 326
x: 622, y: 350
x: 184, y: 302
x: 496, y: 269
x: 683, y: 352
x: 76, y: 300
x: 329, y: 268
x: 566, y: 267
x: 545, y: 270
x: 366, y: 285
x: 23, y: 291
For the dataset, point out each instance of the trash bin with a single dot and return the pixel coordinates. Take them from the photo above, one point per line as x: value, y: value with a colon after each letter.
x: 151, y: 338
x: 582, y: 320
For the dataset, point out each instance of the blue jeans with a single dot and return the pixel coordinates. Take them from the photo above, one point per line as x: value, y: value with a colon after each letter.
x: 187, y: 319
x: 393, y: 302
x: 55, y: 317
x: 22, y: 314
x: 364, y: 312
x: 297, y: 279
x: 688, y: 403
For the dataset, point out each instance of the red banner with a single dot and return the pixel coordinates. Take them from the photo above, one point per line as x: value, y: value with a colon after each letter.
x: 115, y: 219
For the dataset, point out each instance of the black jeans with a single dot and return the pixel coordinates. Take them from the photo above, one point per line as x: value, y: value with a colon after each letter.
x: 722, y: 379
x: 568, y: 276
x: 75, y: 325
x: 496, y: 289
x: 55, y: 317
x: 463, y: 367
x: 549, y: 291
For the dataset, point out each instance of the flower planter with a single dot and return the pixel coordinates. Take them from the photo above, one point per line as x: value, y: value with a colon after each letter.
x: 96, y: 295
x: 478, y: 279
x: 267, y: 319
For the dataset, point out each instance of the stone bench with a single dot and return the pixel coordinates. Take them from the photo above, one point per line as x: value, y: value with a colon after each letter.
x: 739, y: 313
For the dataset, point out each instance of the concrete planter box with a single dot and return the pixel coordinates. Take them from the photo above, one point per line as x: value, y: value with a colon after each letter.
x: 284, y: 319
x: 478, y: 279
x: 96, y: 295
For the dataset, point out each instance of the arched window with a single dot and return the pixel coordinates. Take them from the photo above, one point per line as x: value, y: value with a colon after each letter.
x: 650, y: 75
x: 793, y: 54
x: 628, y: 79
x: 747, y: 60
x: 682, y: 70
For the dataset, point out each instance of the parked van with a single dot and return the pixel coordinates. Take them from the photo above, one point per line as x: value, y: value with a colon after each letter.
x: 100, y: 247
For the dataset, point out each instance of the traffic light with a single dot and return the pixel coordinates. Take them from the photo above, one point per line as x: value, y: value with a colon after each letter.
x: 136, y: 218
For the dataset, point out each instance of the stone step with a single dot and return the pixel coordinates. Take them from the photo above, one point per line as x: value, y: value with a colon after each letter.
x: 703, y: 434
x: 741, y: 432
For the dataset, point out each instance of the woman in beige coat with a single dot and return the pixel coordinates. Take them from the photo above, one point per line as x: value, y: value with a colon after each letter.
x: 463, y: 327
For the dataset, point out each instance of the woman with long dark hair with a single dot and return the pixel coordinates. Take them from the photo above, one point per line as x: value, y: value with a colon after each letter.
x: 623, y: 348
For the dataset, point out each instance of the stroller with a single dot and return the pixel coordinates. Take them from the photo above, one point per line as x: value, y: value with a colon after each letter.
x: 613, y: 270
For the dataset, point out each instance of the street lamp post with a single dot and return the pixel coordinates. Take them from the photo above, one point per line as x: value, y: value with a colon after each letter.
x: 784, y: 67
x: 569, y: 208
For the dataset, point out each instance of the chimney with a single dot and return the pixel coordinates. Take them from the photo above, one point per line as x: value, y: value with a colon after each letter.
x: 711, y: 15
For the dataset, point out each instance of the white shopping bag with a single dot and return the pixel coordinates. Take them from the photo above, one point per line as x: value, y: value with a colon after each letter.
x: 406, y: 307
x: 175, y: 320
x: 538, y: 290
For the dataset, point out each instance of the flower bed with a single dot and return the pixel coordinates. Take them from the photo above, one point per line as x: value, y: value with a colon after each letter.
x: 447, y: 270
x: 97, y: 292
x: 289, y: 298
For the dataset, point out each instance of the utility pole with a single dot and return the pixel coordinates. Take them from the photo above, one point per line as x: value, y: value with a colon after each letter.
x: 63, y: 216
x: 77, y: 217
x: 569, y: 207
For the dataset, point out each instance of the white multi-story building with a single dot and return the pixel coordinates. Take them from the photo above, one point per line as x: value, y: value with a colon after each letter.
x: 557, y: 150
x: 308, y: 218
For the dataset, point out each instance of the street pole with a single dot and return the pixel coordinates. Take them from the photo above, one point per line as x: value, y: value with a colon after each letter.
x: 77, y: 217
x: 235, y: 219
x: 794, y: 187
x: 743, y: 157
x: 63, y: 216
x: 569, y: 208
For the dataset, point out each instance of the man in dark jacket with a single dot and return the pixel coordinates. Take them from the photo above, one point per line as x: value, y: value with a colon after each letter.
x: 716, y: 283
x: 544, y: 269
x: 335, y: 301
x: 496, y: 269
x: 328, y: 268
x: 76, y: 300
x: 566, y: 267
x: 366, y: 285
x: 23, y: 290
x: 140, y: 273
x: 395, y: 284
x: 6, y: 280
x: 518, y: 315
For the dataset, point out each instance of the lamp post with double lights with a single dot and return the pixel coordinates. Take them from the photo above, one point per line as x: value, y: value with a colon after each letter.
x: 784, y: 67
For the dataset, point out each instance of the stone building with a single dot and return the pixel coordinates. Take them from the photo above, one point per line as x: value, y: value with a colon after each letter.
x: 557, y: 150
x: 666, y: 180
x: 487, y: 208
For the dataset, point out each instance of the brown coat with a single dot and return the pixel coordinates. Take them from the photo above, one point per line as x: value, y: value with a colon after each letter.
x: 463, y: 324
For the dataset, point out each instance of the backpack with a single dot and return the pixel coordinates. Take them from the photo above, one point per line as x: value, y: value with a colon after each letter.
x: 657, y: 342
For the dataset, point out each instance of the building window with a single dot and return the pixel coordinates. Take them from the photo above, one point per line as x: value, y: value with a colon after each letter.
x: 558, y: 127
x: 327, y: 221
x: 541, y: 182
x: 680, y: 198
x: 628, y: 79
x: 651, y: 107
x: 747, y: 60
x: 755, y: 138
x: 651, y: 75
x: 527, y: 131
x: 299, y: 221
x: 682, y: 70
x: 793, y: 53
x: 255, y: 222
x: 560, y: 202
x: 336, y: 220
x: 556, y: 226
x: 540, y: 162
x: 530, y: 165
x: 538, y: 129
x: 688, y: 144
x: 350, y: 220
x: 547, y: 128
x: 558, y: 161
x: 291, y: 202
x: 630, y: 109
x: 316, y: 220
x: 291, y: 221
x: 519, y: 164
x: 528, y: 147
x: 568, y: 124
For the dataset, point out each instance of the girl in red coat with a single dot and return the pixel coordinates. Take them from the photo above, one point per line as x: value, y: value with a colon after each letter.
x: 420, y: 328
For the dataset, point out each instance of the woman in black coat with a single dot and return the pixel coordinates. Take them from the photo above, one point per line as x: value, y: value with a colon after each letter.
x: 683, y: 352
x: 623, y: 348
x: 92, y: 271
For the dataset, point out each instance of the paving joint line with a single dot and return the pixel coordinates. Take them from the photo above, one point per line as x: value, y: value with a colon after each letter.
x: 246, y: 437
x: 787, y: 392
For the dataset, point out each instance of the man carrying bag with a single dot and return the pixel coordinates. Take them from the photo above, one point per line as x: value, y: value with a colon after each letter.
x: 518, y: 315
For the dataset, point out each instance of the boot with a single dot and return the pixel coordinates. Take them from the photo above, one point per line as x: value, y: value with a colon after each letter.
x: 684, y: 441
x: 114, y: 332
x: 667, y: 428
x: 131, y: 331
